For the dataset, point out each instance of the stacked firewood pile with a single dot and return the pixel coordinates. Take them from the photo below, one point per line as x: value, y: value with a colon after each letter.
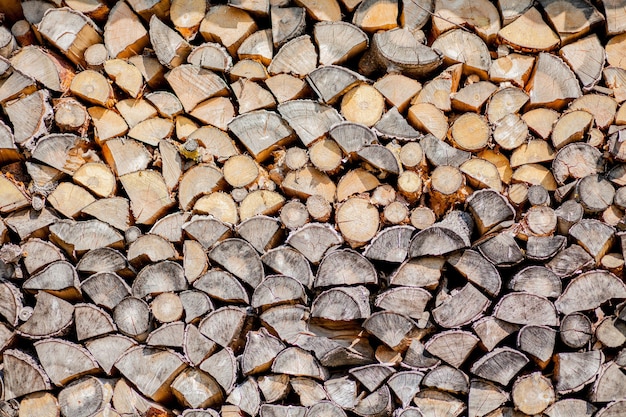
x: 316, y: 208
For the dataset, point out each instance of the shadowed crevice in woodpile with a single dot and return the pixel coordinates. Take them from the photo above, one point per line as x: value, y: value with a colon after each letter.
x: 329, y: 208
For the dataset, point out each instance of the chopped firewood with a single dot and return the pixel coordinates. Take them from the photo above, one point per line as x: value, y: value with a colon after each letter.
x: 186, y: 16
x: 532, y: 393
x: 228, y: 26
x: 107, y: 124
x: 549, y: 72
x: 363, y: 104
x: 87, y: 395
x: 159, y: 277
x: 261, y: 124
x: 453, y: 346
x: 571, y: 20
x: 432, y: 401
x: 23, y: 375
x: 297, y: 57
x: 40, y: 325
x: 500, y: 365
x: 30, y: 115
x: 95, y: 56
x: 508, y: 100
x: 484, y: 397
x: 286, y: 87
x: 157, y: 370
x: 398, y: 48
x: 586, y: 57
x: 260, y: 202
x: 72, y: 44
x: 299, y: 114
x: 45, y: 67
x: 212, y: 56
x: 140, y: 185
x: 531, y: 22
x: 351, y: 137
x: 474, y: 54
x: 205, y: 82
x: 170, y: 48
x: 372, y: 16
x: 124, y: 35
x: 277, y: 289
x: 151, y: 69
x: 71, y: 116
x: 59, y: 278
x: 428, y: 118
x: 575, y: 330
x: 126, y: 76
x: 327, y: 35
x: 455, y: 311
x: 470, y: 132
x: 13, y: 198
x: 575, y: 369
x: 93, y: 87
x: 332, y: 81
x: 446, y: 236
x: 483, y: 17
x: 575, y: 298
x: 514, y: 67
x: 251, y: 96
x: 398, y: 90
x: 358, y: 221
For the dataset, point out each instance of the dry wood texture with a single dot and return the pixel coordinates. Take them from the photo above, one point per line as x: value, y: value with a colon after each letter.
x: 276, y: 208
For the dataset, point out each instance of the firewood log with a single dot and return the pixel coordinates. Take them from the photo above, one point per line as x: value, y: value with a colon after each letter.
x: 570, y: 405
x: 45, y: 67
x: 441, y: 344
x: 575, y: 330
x: 433, y: 401
x: 352, y: 299
x: 448, y: 379
x: 59, y: 278
x: 30, y: 115
x: 342, y: 392
x: 289, y: 262
x: 515, y: 68
x: 147, y: 8
x: 390, y: 245
x: 418, y: 272
x: 157, y: 371
x: 275, y: 410
x: 222, y: 367
x: 543, y: 39
x: 132, y: 317
x: 246, y: 396
x: 127, y: 399
x: 54, y: 352
x: 13, y: 198
x: 196, y: 346
x: 378, y: 323
x: 277, y: 289
x: 186, y: 388
x: 23, y: 375
x: 500, y: 365
x: 532, y: 393
x: 575, y: 369
x: 577, y: 26
x: 222, y: 286
x: 225, y: 326
x: 95, y: 284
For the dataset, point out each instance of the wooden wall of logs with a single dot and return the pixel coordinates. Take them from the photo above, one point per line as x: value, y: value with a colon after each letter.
x: 317, y: 208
